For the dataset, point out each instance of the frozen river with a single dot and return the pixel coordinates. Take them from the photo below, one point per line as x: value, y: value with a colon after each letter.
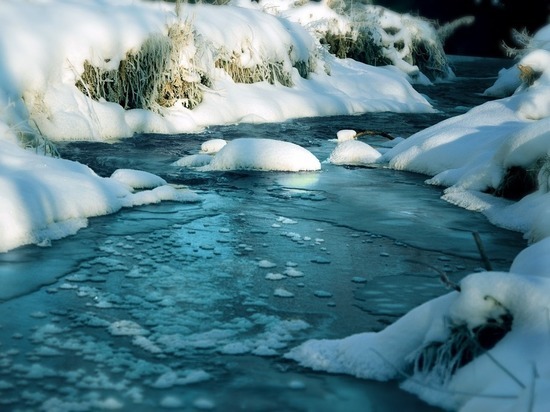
x: 191, y: 306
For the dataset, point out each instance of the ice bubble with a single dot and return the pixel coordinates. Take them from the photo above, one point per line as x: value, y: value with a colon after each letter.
x: 358, y: 279
x: 146, y: 344
x: 322, y: 294
x: 204, y: 404
x: 171, y: 402
x: 166, y: 380
x: 293, y: 273
x: 235, y: 348
x: 37, y: 371
x: 264, y: 350
x: 5, y: 385
x: 109, y: 404
x: 283, y: 293
x: 296, y: 384
x: 286, y: 220
x: 266, y: 264
x: 126, y: 328
x: 274, y: 276
x: 194, y: 376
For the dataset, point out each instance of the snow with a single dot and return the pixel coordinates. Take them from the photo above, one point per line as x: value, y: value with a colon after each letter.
x: 40, y: 100
x: 46, y: 198
x: 354, y: 153
x: 263, y: 154
x: 471, y: 155
x: 138, y: 179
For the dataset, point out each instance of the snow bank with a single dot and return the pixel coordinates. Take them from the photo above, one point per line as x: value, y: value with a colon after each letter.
x: 505, y: 375
x: 485, y: 345
x: 210, y: 54
x: 371, y: 34
x: 45, y: 198
x: 494, y: 152
x: 263, y: 154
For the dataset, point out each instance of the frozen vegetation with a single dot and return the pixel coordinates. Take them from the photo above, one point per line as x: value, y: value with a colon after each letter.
x: 71, y: 71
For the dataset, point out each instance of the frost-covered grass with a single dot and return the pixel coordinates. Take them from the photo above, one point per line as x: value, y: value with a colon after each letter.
x: 164, y: 70
x: 373, y: 35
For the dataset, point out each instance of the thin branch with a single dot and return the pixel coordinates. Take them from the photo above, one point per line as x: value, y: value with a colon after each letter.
x: 481, y: 249
x: 374, y: 133
x: 442, y: 275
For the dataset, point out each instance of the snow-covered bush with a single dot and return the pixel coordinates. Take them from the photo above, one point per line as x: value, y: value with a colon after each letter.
x: 527, y: 70
x: 373, y: 35
x: 484, y: 347
x: 164, y: 70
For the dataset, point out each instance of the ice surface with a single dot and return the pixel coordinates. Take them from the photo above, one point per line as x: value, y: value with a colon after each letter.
x: 176, y: 295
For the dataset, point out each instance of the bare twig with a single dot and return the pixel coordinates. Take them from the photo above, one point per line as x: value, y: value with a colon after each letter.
x: 374, y: 133
x: 442, y: 275
x: 481, y: 249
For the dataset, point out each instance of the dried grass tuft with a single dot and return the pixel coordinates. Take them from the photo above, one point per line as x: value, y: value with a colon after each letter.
x: 160, y: 73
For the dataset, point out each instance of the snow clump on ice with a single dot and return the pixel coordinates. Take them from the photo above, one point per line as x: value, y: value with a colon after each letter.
x: 263, y: 154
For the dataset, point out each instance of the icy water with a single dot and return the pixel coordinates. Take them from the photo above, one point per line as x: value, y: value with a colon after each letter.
x: 191, y: 306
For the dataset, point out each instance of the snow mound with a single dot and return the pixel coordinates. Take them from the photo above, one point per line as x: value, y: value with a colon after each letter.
x: 213, y: 146
x: 346, y: 134
x: 354, y: 153
x: 263, y: 154
x: 137, y: 179
x: 462, y: 347
x: 45, y: 198
x: 195, y: 160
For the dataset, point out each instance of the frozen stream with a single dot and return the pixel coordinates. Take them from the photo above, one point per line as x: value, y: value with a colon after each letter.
x: 190, y: 306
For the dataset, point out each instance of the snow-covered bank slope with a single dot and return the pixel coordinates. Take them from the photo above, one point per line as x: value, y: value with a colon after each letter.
x: 174, y: 73
x: 495, y: 151
x: 44, y: 198
x: 448, y: 349
x: 484, y: 346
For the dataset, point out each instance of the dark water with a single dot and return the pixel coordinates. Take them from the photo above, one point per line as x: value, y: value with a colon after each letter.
x: 191, y: 306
